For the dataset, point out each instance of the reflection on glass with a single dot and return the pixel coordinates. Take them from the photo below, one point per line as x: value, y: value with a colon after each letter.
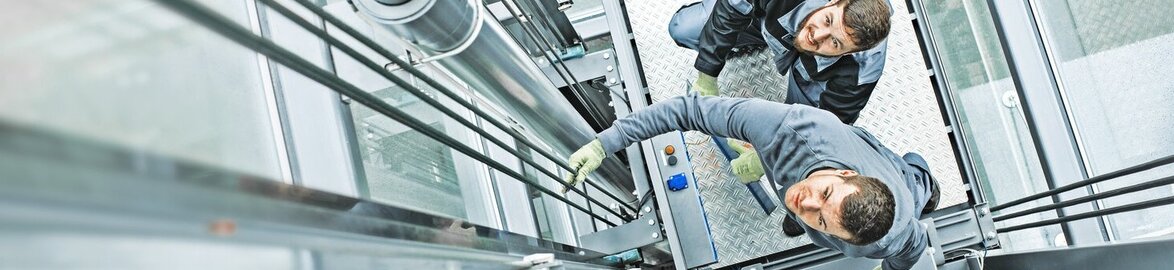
x: 1112, y: 60
x: 403, y: 166
x: 992, y: 123
x: 135, y: 75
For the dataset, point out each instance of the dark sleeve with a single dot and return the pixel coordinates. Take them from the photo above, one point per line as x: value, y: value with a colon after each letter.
x: 845, y: 98
x: 720, y: 34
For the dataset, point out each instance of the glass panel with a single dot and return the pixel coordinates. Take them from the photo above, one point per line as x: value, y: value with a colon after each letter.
x: 551, y: 214
x: 133, y: 74
x: 1112, y: 61
x: 993, y: 126
x: 405, y: 167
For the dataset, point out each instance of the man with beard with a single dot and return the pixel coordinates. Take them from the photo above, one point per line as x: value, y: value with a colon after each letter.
x: 834, y: 50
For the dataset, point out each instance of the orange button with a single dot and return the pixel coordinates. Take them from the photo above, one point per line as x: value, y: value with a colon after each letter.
x: 669, y: 150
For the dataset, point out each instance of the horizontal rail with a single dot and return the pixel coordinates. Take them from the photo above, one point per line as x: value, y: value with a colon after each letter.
x: 1097, y: 213
x: 1140, y: 167
x: 1100, y: 195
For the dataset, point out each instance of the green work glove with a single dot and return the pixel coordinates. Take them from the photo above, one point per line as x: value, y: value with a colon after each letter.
x: 747, y: 166
x: 584, y: 161
x: 705, y: 85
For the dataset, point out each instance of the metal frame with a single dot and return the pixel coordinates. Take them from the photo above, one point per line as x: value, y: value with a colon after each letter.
x: 944, y: 94
x: 1047, y: 120
x: 320, y: 157
x: 1149, y: 254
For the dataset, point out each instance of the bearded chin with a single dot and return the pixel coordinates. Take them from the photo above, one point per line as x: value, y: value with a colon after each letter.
x: 803, y: 25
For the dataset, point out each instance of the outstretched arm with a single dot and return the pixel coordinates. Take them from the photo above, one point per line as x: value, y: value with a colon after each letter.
x: 756, y: 121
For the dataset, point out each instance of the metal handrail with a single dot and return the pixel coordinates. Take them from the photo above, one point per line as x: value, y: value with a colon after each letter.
x: 1093, y: 180
x: 218, y: 23
x: 419, y: 93
x: 451, y: 94
x: 1097, y: 213
x: 1099, y: 195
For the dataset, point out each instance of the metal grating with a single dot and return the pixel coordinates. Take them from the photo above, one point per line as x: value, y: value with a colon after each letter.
x: 903, y: 113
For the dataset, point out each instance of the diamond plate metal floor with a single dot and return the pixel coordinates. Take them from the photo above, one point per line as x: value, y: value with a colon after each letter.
x: 903, y: 113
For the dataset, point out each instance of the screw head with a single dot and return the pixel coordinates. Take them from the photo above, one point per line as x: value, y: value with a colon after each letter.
x: 581, y: 253
x: 651, y: 222
x: 990, y: 236
x: 606, y: 55
x: 984, y: 211
x: 610, y: 68
x: 647, y: 209
x: 655, y: 235
x: 611, y: 81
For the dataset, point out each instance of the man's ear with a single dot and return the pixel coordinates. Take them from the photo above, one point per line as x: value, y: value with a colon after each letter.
x: 831, y: 3
x: 846, y: 173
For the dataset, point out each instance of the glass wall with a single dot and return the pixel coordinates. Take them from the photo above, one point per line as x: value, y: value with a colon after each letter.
x: 989, y: 112
x: 133, y: 74
x: 1111, y: 59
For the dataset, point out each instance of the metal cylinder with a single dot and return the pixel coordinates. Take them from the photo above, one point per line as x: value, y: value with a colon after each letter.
x: 484, y: 56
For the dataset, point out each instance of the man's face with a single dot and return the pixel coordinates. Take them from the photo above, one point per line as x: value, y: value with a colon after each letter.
x: 817, y: 200
x: 823, y: 33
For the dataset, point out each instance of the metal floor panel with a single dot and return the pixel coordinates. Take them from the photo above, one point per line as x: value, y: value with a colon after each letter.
x: 903, y: 113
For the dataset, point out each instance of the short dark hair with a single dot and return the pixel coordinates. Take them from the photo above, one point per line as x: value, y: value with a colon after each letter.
x: 867, y: 213
x: 869, y: 21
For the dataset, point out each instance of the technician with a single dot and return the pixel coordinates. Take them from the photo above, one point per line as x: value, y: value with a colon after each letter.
x: 852, y: 194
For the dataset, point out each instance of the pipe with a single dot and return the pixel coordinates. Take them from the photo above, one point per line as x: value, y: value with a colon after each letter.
x: 478, y: 50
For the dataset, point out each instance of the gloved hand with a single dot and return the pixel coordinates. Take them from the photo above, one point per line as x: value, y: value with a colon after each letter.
x: 705, y: 85
x: 584, y: 161
x: 747, y: 166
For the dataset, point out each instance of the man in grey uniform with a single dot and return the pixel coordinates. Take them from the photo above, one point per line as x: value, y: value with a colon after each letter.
x: 853, y: 194
x: 833, y: 50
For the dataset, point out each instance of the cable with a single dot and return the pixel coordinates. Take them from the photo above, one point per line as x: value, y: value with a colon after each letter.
x: 1140, y: 167
x: 1100, y: 195
x: 412, y: 89
x: 218, y: 23
x: 1097, y: 213
x: 445, y: 91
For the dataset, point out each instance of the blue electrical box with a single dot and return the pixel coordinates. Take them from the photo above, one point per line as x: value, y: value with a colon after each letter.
x: 678, y: 182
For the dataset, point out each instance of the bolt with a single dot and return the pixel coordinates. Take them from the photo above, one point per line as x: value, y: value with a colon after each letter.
x: 611, y: 81
x: 924, y: 226
x: 647, y: 209
x: 651, y: 222
x: 990, y: 236
x: 610, y: 68
x: 984, y: 211
x: 606, y: 55
x: 929, y: 251
x: 581, y: 253
x: 655, y: 235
